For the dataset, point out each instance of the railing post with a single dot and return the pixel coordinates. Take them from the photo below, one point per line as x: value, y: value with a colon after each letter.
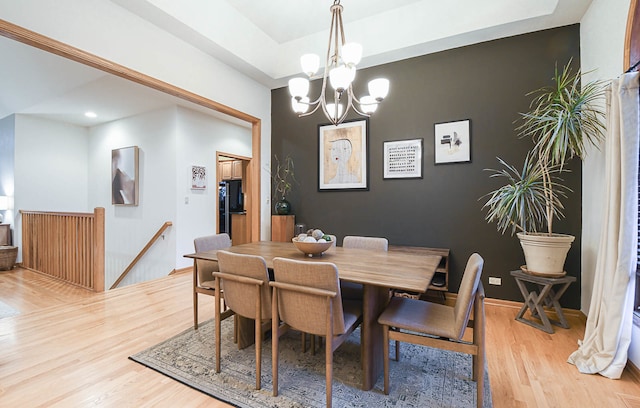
x: 98, y: 248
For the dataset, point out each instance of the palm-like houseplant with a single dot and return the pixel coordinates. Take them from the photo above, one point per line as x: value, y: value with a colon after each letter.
x: 562, y: 121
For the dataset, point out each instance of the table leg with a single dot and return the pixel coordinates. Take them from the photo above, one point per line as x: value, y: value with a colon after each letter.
x: 534, y: 302
x: 552, y: 300
x: 374, y: 301
x: 246, y: 332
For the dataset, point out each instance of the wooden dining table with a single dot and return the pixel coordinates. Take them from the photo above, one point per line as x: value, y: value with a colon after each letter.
x: 377, y: 271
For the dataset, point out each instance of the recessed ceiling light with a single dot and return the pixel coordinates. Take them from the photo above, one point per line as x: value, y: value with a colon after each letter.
x: 90, y: 114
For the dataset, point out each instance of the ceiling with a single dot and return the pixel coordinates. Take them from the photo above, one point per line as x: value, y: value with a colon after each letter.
x: 264, y: 40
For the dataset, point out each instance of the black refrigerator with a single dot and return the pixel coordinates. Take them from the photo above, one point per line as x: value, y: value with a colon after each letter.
x: 231, y: 202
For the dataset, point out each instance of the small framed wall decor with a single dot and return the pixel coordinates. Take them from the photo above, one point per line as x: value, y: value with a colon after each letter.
x: 198, y: 178
x: 124, y: 176
x: 453, y: 142
x: 403, y: 159
x: 343, y: 156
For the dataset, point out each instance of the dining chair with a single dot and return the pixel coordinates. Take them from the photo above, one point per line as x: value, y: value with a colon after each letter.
x: 306, y: 297
x: 441, y: 326
x: 352, y: 290
x: 245, y: 282
x: 203, y: 281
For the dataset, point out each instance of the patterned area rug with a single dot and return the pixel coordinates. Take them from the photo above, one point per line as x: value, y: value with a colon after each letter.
x: 7, y: 311
x: 423, y: 378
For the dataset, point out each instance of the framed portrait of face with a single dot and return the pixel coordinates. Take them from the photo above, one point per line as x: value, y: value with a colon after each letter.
x: 343, y: 156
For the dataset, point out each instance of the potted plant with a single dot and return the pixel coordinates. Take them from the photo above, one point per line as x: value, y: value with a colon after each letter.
x: 562, y: 121
x: 283, y: 179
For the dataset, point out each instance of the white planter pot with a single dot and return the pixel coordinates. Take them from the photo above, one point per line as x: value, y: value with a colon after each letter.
x: 545, y: 254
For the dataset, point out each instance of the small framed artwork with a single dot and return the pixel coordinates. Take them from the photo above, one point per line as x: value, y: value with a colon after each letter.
x: 403, y: 159
x: 198, y: 178
x: 453, y: 142
x: 124, y: 176
x: 343, y: 152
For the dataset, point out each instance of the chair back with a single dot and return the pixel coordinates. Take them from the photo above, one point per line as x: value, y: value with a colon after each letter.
x: 303, y: 311
x: 209, y: 243
x: 353, y: 241
x: 467, y: 293
x: 239, y: 295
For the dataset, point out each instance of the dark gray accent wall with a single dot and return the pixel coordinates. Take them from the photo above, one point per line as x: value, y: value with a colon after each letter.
x: 486, y: 83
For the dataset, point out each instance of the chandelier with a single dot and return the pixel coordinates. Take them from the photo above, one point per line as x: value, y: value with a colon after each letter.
x: 340, y: 70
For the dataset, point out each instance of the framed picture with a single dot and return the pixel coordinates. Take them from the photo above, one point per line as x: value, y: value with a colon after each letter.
x: 198, y: 178
x: 403, y: 159
x: 124, y: 176
x: 343, y: 156
x: 453, y: 142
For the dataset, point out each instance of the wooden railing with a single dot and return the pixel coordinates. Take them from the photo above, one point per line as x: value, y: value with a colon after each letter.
x: 145, y: 249
x: 67, y: 246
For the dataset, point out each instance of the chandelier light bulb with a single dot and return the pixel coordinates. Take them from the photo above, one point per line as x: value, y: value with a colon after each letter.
x: 310, y: 64
x: 331, y: 109
x: 341, y: 77
x: 351, y: 54
x: 301, y: 106
x: 299, y: 87
x: 379, y: 88
x: 368, y: 104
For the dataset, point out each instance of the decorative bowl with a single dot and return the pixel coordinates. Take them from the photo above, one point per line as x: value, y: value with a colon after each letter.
x: 311, y: 248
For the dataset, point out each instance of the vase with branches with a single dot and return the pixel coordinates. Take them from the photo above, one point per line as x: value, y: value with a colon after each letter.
x: 563, y: 120
x: 283, y: 176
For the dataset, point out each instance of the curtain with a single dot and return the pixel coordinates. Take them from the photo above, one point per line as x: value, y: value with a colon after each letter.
x: 608, y: 332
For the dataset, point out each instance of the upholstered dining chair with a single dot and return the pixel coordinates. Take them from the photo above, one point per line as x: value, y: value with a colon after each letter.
x: 352, y: 290
x: 203, y: 281
x: 441, y: 326
x: 306, y: 297
x: 245, y: 282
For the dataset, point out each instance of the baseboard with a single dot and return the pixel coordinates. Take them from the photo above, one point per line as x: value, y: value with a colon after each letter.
x: 635, y: 372
x: 451, y: 299
x: 181, y: 270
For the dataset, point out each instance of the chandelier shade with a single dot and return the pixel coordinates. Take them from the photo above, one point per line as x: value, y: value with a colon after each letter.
x: 339, y: 72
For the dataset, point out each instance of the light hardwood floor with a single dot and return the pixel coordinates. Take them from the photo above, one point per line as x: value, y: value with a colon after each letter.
x: 69, y: 348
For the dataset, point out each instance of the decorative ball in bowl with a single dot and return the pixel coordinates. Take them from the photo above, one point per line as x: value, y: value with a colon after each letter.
x: 311, y: 248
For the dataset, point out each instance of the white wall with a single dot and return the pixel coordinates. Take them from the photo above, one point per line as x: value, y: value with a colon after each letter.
x: 199, y: 137
x: 7, y: 153
x: 170, y: 141
x: 602, y: 35
x: 129, y: 228
x: 109, y: 31
x: 50, y: 168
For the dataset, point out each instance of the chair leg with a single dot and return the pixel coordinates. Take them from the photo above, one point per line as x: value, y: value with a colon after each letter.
x: 397, y: 350
x: 258, y: 352
x: 274, y: 341
x: 303, y: 336
x: 385, y: 360
x: 195, y: 309
x: 329, y: 371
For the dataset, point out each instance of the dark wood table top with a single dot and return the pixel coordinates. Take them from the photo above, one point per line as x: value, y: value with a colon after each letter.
x: 405, y: 270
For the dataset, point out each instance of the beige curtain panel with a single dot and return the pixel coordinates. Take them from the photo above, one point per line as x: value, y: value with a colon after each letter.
x: 608, y: 332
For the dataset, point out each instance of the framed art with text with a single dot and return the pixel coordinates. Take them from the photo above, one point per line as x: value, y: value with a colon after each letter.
x: 403, y: 159
x: 453, y: 142
x: 198, y: 178
x: 343, y: 156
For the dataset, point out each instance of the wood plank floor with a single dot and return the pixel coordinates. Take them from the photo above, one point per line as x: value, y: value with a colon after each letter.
x: 69, y: 348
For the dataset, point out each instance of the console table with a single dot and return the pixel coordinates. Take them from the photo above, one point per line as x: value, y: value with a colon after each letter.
x: 535, y: 301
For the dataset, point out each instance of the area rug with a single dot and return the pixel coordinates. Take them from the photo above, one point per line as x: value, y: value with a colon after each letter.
x: 422, y: 378
x: 7, y: 311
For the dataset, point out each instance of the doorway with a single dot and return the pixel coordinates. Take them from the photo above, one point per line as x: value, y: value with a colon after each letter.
x: 234, y: 196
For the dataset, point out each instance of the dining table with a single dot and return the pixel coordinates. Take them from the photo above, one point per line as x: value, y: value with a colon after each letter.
x: 378, y: 272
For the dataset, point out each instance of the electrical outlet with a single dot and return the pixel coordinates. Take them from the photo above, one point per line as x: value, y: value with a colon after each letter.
x: 495, y: 281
